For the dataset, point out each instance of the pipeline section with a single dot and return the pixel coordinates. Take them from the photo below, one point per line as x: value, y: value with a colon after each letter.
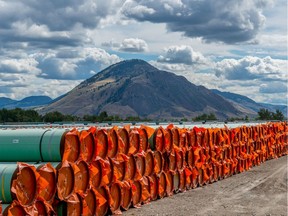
x: 103, y: 171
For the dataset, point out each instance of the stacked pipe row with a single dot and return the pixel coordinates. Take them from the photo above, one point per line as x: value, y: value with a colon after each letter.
x: 102, y: 171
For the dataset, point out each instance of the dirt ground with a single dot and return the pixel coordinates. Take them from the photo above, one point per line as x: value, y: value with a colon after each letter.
x: 260, y: 191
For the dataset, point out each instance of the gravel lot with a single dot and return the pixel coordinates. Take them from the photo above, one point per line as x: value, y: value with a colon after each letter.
x: 260, y: 191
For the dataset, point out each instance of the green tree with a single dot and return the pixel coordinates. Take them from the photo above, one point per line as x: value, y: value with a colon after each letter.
x: 278, y: 115
x: 133, y: 118
x: 264, y: 114
x: 204, y: 117
x: 103, y: 116
x: 211, y: 117
x: 19, y: 115
x: 53, y: 117
x: 184, y: 120
x: 246, y: 118
x: 5, y: 115
x: 89, y: 118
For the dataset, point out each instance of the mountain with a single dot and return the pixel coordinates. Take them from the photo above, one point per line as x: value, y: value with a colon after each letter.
x: 247, y: 105
x: 4, y: 101
x: 136, y: 88
x: 28, y: 102
x: 240, y: 102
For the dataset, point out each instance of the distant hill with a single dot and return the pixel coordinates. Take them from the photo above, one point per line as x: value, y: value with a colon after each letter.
x: 5, y: 101
x: 28, y: 102
x: 136, y: 88
x: 247, y: 105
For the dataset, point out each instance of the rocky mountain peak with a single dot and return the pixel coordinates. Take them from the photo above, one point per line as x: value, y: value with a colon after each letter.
x: 136, y: 88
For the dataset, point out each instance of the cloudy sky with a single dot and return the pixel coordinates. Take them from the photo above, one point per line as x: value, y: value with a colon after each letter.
x: 49, y: 47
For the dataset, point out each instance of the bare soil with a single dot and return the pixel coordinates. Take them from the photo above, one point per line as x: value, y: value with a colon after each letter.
x: 261, y: 190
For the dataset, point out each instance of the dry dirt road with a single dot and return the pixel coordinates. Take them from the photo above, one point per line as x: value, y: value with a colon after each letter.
x: 261, y: 190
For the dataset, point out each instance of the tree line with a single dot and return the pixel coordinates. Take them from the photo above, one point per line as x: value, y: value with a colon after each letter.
x: 21, y: 115
x: 265, y: 114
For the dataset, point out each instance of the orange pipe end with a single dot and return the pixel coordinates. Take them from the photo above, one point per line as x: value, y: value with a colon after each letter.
x: 102, y: 198
x: 81, y: 176
x: 126, y: 193
x: 149, y: 163
x: 24, y: 184
x: 46, y: 183
x: 65, y: 180
x: 115, y: 198
x: 86, y: 145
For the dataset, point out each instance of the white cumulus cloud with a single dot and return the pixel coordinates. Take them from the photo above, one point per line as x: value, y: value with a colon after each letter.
x: 182, y: 55
x: 251, y: 67
x: 74, y: 65
x: 13, y: 65
x: 133, y: 45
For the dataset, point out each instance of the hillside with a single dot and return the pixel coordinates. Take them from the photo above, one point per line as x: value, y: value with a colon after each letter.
x: 247, y: 105
x: 135, y: 88
x: 25, y: 103
x: 5, y: 101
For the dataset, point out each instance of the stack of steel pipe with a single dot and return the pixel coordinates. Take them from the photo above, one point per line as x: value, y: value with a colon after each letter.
x: 101, y: 171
